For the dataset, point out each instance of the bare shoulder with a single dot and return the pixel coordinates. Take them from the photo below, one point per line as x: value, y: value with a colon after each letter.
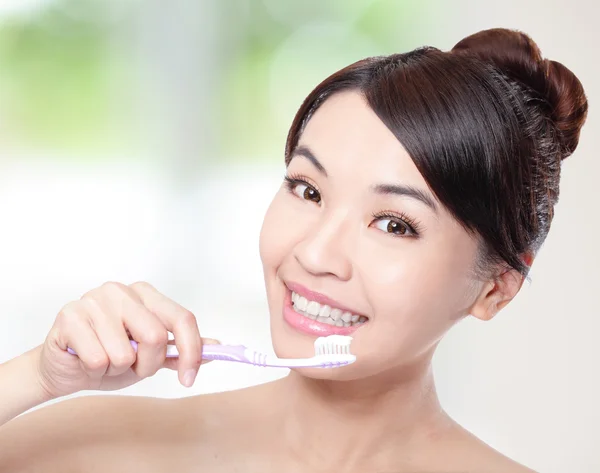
x: 473, y: 454
x: 492, y: 461
x: 63, y: 434
x: 120, y: 433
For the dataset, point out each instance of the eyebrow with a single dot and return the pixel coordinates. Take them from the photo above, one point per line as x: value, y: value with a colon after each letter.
x: 407, y: 191
x: 381, y: 189
x: 305, y: 152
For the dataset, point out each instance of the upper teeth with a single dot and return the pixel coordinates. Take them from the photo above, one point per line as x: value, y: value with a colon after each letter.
x: 324, y: 313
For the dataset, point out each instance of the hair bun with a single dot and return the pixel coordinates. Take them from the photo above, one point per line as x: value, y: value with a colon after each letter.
x: 518, y: 56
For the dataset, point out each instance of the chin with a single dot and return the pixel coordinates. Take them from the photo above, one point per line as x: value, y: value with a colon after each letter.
x: 343, y: 373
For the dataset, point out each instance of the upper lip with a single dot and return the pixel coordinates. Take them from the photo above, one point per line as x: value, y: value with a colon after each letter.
x: 318, y: 297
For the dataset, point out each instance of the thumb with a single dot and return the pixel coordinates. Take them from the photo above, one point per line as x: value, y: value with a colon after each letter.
x: 171, y: 363
x: 209, y: 341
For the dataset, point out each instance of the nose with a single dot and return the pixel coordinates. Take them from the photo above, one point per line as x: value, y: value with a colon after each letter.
x: 324, y: 249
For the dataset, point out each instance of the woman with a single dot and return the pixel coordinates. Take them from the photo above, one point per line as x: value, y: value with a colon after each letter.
x: 419, y: 188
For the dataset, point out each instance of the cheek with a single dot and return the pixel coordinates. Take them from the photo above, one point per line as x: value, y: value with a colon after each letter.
x: 278, y: 234
x: 270, y: 246
x: 273, y: 248
x: 418, y: 286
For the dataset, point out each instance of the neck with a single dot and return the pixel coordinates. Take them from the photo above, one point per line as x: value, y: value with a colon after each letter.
x: 342, y: 423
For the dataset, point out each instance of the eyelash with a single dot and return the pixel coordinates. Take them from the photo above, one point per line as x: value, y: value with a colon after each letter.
x: 413, y: 225
x: 293, y: 180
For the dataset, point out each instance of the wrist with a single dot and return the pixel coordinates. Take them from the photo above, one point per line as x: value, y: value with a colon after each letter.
x: 34, y: 381
x: 22, y: 388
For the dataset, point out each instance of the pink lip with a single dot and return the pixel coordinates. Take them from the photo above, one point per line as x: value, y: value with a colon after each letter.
x: 309, y: 326
x: 317, y: 297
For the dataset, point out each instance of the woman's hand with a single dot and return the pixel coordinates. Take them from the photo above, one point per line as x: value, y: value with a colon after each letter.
x: 99, y: 328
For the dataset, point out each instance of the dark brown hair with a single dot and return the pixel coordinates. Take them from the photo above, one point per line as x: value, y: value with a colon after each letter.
x: 487, y: 124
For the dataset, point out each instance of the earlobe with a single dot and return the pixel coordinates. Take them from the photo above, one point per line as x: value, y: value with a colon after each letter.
x: 484, y: 307
x: 496, y: 294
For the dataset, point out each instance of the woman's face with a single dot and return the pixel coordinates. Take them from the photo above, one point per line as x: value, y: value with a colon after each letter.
x: 356, y: 228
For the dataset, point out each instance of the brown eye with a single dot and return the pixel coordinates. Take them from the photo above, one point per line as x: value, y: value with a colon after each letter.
x: 394, y: 226
x: 306, y: 192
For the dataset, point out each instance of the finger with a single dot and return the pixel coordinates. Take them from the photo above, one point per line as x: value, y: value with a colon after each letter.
x: 173, y: 363
x: 151, y: 335
x: 124, y: 304
x: 113, y: 337
x: 182, y: 323
x: 74, y: 331
x: 189, y: 346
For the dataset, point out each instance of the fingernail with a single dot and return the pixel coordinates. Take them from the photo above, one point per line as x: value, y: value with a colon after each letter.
x: 188, y: 377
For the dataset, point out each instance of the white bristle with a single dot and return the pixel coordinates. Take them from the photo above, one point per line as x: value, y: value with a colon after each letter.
x: 333, y: 345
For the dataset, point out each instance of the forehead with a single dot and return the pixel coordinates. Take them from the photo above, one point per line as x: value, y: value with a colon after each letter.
x: 347, y: 136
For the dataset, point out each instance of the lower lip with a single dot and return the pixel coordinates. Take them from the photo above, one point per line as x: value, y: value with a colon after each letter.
x: 309, y: 326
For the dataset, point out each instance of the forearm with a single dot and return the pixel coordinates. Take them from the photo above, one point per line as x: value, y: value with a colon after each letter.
x: 20, y: 389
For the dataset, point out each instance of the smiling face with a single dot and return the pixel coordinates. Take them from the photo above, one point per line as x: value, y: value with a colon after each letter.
x: 355, y: 227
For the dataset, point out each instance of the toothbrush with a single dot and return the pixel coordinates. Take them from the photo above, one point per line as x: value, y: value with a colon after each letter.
x: 330, y: 352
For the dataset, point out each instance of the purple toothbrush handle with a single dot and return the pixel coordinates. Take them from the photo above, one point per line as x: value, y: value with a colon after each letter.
x: 237, y: 353
x: 215, y: 352
x: 133, y: 344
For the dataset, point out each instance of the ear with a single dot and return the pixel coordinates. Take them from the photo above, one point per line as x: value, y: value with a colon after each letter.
x: 496, y: 293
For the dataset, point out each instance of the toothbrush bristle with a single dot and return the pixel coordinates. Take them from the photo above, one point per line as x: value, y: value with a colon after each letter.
x: 333, y: 345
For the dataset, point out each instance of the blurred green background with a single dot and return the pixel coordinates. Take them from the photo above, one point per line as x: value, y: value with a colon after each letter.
x: 189, y: 82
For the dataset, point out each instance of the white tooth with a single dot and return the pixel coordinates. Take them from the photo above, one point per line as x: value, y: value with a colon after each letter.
x: 339, y: 323
x: 346, y: 316
x: 313, y: 308
x: 311, y: 316
x: 355, y: 318
x: 362, y: 319
x: 302, y: 303
x: 324, y: 320
x: 325, y: 311
x: 294, y: 297
x: 336, y: 314
x: 347, y: 324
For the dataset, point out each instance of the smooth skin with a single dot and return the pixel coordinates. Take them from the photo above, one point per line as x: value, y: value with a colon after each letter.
x: 411, y: 273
